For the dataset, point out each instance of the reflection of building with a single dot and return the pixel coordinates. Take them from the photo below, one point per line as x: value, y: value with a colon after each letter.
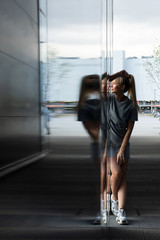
x: 148, y: 95
x: 147, y: 92
x: 67, y: 74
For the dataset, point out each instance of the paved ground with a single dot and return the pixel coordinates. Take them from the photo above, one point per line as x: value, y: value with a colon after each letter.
x: 55, y: 198
x: 147, y: 125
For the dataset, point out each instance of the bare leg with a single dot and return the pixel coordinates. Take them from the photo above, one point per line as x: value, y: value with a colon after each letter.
x: 123, y: 187
x: 118, y: 181
x: 115, y: 178
x: 108, y: 169
x: 103, y: 176
x: 93, y: 129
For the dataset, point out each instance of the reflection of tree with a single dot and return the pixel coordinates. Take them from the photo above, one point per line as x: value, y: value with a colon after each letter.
x: 56, y: 72
x: 152, y: 66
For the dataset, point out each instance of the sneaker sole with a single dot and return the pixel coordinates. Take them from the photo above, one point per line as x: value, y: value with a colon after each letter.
x: 104, y: 221
x: 96, y: 222
x: 122, y: 223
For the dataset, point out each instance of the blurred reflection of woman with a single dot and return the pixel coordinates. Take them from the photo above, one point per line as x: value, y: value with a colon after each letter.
x: 104, y: 91
x: 121, y: 115
x: 89, y: 110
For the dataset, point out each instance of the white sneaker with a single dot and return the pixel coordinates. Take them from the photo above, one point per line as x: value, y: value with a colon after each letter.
x: 102, y: 205
x: 121, y: 217
x: 103, y: 212
x: 114, y: 206
x: 97, y: 220
x: 104, y: 216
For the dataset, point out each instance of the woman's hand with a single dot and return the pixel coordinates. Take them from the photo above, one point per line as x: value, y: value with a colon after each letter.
x: 120, y: 157
x: 124, y: 74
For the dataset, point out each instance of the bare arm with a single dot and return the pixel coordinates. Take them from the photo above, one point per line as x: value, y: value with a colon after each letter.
x: 120, y: 155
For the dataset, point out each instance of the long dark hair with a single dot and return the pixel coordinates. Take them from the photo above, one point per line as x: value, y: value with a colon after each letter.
x: 89, y: 84
x: 129, y: 88
x: 132, y: 91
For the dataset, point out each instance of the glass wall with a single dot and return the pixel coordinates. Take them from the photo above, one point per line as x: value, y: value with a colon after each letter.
x: 43, y: 39
x: 74, y: 46
x: 136, y: 48
x: 79, y: 44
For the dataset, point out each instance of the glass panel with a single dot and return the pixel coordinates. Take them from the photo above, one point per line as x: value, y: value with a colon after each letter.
x: 137, y: 50
x: 43, y: 38
x: 107, y: 39
x: 76, y: 48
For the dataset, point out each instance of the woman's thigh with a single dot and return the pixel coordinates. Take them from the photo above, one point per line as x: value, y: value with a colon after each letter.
x: 91, y: 125
x: 92, y: 128
x: 115, y: 167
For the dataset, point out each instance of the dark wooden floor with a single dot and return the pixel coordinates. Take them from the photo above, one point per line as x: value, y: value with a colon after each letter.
x: 55, y: 198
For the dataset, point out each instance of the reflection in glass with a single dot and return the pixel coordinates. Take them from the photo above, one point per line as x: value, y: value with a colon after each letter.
x: 135, y: 51
x: 76, y: 48
x: 108, y: 69
x: 89, y: 111
x: 43, y: 70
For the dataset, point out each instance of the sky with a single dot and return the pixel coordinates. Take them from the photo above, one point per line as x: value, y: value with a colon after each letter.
x: 75, y: 27
x: 136, y: 26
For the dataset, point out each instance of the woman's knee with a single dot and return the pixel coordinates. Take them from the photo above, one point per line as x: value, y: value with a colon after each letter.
x: 117, y: 173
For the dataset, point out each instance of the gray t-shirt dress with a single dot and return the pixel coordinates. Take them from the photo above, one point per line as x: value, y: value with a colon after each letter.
x: 118, y: 115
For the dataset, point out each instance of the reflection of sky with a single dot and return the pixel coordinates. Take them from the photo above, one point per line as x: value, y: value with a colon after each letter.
x: 136, y: 26
x: 75, y: 26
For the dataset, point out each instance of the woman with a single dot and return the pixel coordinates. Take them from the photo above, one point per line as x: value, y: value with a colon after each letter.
x: 121, y: 115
